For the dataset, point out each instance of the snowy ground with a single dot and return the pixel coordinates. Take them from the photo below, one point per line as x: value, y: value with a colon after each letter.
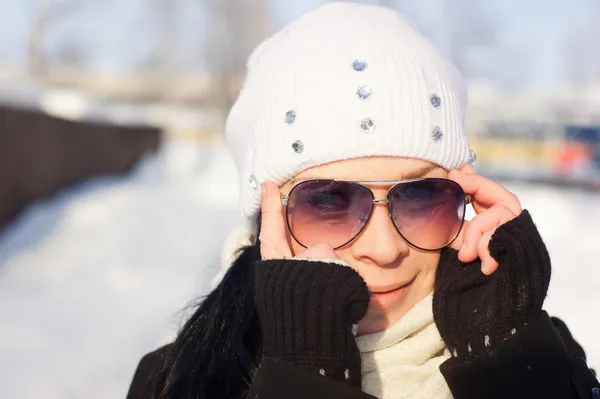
x: 94, y: 277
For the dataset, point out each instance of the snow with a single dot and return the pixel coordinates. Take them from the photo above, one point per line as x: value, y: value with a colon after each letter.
x: 96, y: 276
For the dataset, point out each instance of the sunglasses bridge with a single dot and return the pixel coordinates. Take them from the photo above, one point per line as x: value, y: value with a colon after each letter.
x: 382, y: 201
x: 285, y: 199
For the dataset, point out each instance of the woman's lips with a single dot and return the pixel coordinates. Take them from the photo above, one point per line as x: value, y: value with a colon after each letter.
x: 384, y: 300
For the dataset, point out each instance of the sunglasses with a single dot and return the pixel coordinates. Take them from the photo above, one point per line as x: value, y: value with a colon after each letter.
x: 427, y: 212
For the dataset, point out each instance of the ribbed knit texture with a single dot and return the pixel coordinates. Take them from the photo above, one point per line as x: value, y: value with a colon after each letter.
x: 306, y: 311
x: 307, y: 67
x: 473, y: 311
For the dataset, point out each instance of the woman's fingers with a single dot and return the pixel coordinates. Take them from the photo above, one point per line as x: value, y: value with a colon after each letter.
x: 492, y: 218
x: 319, y: 251
x: 488, y: 264
x: 458, y: 241
x: 273, y: 239
x: 494, y: 205
x: 485, y: 193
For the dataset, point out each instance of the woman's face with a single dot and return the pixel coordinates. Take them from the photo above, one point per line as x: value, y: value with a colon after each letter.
x: 397, y: 274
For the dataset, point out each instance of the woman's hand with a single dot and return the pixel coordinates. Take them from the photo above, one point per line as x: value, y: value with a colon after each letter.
x: 273, y: 238
x: 476, y: 311
x: 494, y: 206
x: 306, y: 305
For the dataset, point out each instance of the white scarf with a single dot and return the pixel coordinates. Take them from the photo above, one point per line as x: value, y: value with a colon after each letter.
x: 403, y: 361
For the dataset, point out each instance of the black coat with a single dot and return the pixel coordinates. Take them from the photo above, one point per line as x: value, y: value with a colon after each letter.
x: 541, y: 361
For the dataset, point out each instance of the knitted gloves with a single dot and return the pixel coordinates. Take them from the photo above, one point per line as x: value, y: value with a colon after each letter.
x: 307, y: 310
x: 474, y: 312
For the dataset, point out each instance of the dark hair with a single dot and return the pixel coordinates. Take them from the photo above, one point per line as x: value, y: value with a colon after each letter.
x: 215, y: 352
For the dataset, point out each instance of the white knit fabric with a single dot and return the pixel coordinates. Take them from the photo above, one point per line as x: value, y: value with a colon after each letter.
x: 403, y: 361
x: 308, y: 68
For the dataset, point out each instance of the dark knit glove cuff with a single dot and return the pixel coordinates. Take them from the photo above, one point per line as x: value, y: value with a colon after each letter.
x: 307, y: 310
x: 474, y: 312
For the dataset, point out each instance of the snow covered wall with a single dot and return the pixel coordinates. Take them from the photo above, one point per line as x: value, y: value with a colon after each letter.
x: 93, y: 278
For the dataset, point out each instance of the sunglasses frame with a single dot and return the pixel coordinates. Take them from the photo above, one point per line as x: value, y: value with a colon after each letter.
x: 393, y: 184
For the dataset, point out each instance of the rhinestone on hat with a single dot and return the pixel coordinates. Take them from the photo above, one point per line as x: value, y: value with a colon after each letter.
x: 436, y: 101
x: 298, y: 146
x: 367, y: 125
x: 436, y: 134
x: 364, y: 92
x: 252, y: 182
x: 359, y: 65
x: 290, y: 117
x: 473, y: 158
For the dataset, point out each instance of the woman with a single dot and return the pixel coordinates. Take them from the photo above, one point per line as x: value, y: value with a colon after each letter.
x: 360, y: 277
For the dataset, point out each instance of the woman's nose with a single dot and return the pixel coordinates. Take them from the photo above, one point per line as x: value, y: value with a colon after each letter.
x: 379, y: 242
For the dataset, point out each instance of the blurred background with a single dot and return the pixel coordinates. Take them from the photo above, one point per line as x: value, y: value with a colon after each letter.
x: 116, y: 191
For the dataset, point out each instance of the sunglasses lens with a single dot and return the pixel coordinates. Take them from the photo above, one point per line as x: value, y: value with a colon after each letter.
x: 428, y: 213
x: 328, y: 212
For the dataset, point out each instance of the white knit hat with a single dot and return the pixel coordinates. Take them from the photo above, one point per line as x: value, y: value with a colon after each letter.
x: 344, y: 81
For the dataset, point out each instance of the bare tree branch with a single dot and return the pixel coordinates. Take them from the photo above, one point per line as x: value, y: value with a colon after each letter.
x: 168, y: 48
x: 470, y: 27
x: 37, y: 59
x: 238, y: 26
x: 47, y: 12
